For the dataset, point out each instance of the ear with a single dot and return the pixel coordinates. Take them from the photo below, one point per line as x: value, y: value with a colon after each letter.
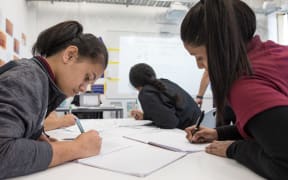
x: 70, y: 54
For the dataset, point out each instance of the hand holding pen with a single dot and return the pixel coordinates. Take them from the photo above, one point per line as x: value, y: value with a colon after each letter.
x: 89, y: 143
x: 197, y: 134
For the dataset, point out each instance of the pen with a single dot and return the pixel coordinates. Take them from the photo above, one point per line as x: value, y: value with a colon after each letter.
x: 70, y: 109
x: 78, y: 123
x: 80, y: 127
x: 198, y: 122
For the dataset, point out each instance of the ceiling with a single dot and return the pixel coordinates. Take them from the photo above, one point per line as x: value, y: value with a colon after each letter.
x: 149, y: 3
x: 260, y: 6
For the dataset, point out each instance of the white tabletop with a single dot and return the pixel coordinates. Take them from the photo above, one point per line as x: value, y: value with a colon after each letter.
x: 200, y: 165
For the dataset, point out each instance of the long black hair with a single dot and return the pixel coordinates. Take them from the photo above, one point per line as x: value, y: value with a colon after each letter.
x: 64, y: 34
x: 224, y: 27
x: 142, y: 74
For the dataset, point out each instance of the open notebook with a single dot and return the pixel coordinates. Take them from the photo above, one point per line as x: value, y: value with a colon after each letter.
x: 171, y: 139
x: 138, y: 160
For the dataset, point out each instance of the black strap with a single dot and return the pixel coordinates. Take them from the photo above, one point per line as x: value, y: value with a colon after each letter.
x: 7, y: 66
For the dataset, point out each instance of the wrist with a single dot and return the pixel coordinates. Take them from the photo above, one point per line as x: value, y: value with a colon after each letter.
x: 215, y: 134
x: 199, y: 97
x: 77, y: 149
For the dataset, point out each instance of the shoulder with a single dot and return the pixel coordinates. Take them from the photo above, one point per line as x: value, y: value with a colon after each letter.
x: 148, y: 91
x: 166, y: 81
x: 25, y: 75
x: 25, y: 69
x: 170, y: 84
x: 251, y: 95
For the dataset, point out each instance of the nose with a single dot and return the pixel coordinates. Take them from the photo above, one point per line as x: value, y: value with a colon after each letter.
x: 83, y: 87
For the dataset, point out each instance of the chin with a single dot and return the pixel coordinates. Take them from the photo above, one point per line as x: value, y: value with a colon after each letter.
x: 69, y: 94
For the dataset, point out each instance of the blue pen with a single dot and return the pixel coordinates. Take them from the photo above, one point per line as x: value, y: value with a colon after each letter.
x: 78, y: 123
x: 70, y: 109
x: 198, y: 122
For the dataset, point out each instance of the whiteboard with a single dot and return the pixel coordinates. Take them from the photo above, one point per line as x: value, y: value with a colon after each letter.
x: 166, y: 55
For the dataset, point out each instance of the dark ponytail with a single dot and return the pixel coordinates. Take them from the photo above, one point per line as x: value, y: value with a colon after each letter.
x: 64, y: 34
x: 142, y: 74
x: 226, y: 27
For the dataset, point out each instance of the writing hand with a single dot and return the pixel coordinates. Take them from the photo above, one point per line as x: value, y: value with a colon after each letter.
x: 90, y: 143
x: 203, y: 135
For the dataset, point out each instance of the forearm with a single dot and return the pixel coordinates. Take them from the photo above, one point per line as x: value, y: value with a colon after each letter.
x: 228, y: 132
x: 50, y: 124
x: 64, y: 151
x: 203, y: 84
x: 85, y: 145
x: 267, y: 154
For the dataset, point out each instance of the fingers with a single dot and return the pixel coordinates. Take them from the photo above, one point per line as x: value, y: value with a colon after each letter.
x: 134, y: 114
x: 137, y: 114
x: 218, y: 148
x: 199, y: 101
x: 203, y: 135
x: 199, y: 137
x: 93, y: 132
x: 211, y: 147
x: 188, y: 131
x: 194, y: 137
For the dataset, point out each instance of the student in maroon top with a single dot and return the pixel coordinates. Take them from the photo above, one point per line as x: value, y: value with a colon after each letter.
x: 250, y: 75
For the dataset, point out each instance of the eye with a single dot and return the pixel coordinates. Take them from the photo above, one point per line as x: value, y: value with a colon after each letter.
x: 199, y: 58
x: 90, y: 78
x: 87, y: 78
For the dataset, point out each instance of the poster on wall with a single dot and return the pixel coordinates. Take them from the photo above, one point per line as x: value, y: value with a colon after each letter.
x: 9, y: 27
x: 13, y: 42
x: 23, y: 39
x: 1, y: 21
x: 16, y: 46
x: 3, y: 40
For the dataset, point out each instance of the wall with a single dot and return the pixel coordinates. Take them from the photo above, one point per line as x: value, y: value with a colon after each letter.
x: 16, y: 11
x: 109, y: 21
x: 96, y: 18
x: 15, y: 45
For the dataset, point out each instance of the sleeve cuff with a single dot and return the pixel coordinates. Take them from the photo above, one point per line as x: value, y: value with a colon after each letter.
x: 231, y: 150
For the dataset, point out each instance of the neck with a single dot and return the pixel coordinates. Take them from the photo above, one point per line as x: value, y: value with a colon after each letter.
x: 53, y: 61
